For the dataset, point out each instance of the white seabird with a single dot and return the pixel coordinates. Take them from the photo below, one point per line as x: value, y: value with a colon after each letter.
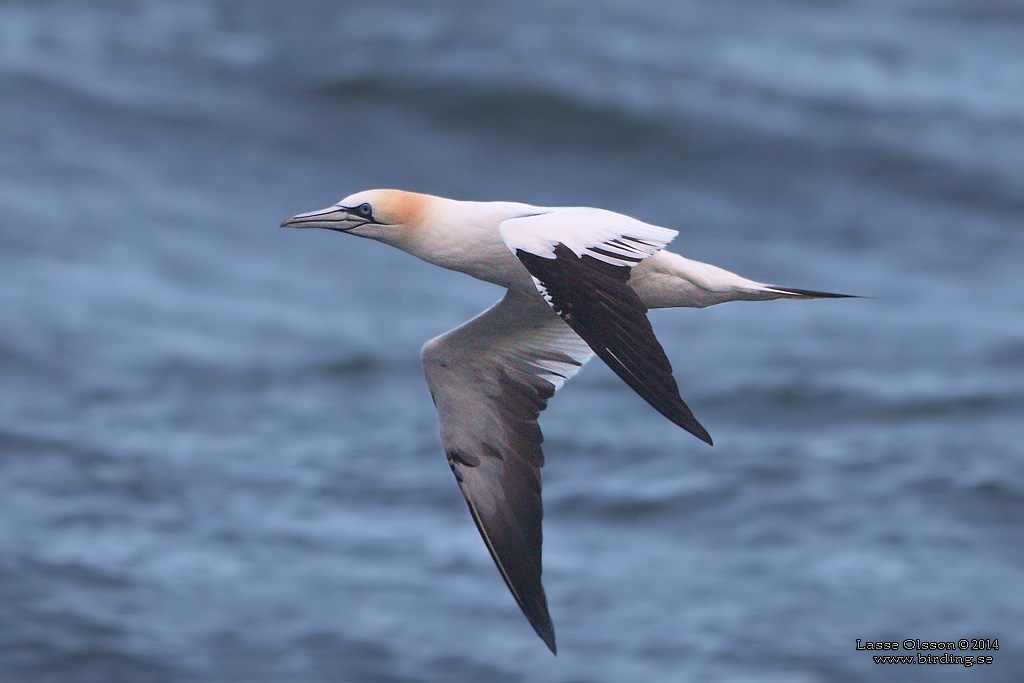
x: 579, y: 282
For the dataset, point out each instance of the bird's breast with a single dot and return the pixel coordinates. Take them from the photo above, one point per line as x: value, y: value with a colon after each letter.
x: 479, y: 253
x: 497, y: 266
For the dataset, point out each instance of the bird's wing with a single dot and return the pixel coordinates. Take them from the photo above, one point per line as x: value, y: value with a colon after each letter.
x: 580, y: 260
x: 490, y: 379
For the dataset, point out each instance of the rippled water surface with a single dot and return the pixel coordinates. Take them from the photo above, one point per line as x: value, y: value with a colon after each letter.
x: 218, y: 457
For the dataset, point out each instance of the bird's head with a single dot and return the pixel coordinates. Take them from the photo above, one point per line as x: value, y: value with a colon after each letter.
x: 390, y: 216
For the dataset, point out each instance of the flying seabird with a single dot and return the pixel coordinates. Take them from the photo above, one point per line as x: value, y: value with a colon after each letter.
x: 579, y: 282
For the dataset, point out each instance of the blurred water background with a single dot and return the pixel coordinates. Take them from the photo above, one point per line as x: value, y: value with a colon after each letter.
x: 218, y: 456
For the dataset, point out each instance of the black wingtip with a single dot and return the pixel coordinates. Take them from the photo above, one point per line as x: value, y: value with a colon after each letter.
x: 541, y: 623
x: 690, y: 424
x: 703, y: 436
x: 545, y: 629
x: 676, y: 410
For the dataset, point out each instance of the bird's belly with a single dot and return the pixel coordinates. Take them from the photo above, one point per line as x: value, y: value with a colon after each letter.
x: 662, y: 290
x: 660, y: 283
x: 487, y: 262
x: 506, y: 271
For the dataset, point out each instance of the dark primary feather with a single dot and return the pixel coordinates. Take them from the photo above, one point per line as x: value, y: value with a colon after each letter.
x: 596, y: 301
x: 488, y: 383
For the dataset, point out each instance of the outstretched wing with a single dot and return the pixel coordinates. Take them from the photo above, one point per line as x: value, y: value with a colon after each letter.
x: 490, y: 379
x: 580, y: 260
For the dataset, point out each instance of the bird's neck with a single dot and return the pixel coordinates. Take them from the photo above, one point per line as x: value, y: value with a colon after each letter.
x: 463, y: 236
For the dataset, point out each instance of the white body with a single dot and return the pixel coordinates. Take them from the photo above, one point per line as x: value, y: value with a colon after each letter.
x: 465, y: 237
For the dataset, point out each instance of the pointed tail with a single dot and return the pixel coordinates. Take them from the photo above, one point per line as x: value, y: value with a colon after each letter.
x: 807, y: 293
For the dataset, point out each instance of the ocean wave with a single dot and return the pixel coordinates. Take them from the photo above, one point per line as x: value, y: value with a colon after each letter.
x: 802, y: 402
x: 914, y: 112
x: 693, y: 144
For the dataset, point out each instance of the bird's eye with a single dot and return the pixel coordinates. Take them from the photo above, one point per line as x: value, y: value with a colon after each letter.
x: 365, y: 210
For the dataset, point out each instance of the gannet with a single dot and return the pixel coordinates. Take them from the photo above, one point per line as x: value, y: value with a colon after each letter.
x: 579, y: 282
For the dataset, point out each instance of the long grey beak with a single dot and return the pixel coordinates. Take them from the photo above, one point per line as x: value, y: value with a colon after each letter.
x: 332, y: 218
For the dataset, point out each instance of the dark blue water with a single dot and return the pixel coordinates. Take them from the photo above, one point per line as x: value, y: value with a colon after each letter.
x: 218, y: 456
